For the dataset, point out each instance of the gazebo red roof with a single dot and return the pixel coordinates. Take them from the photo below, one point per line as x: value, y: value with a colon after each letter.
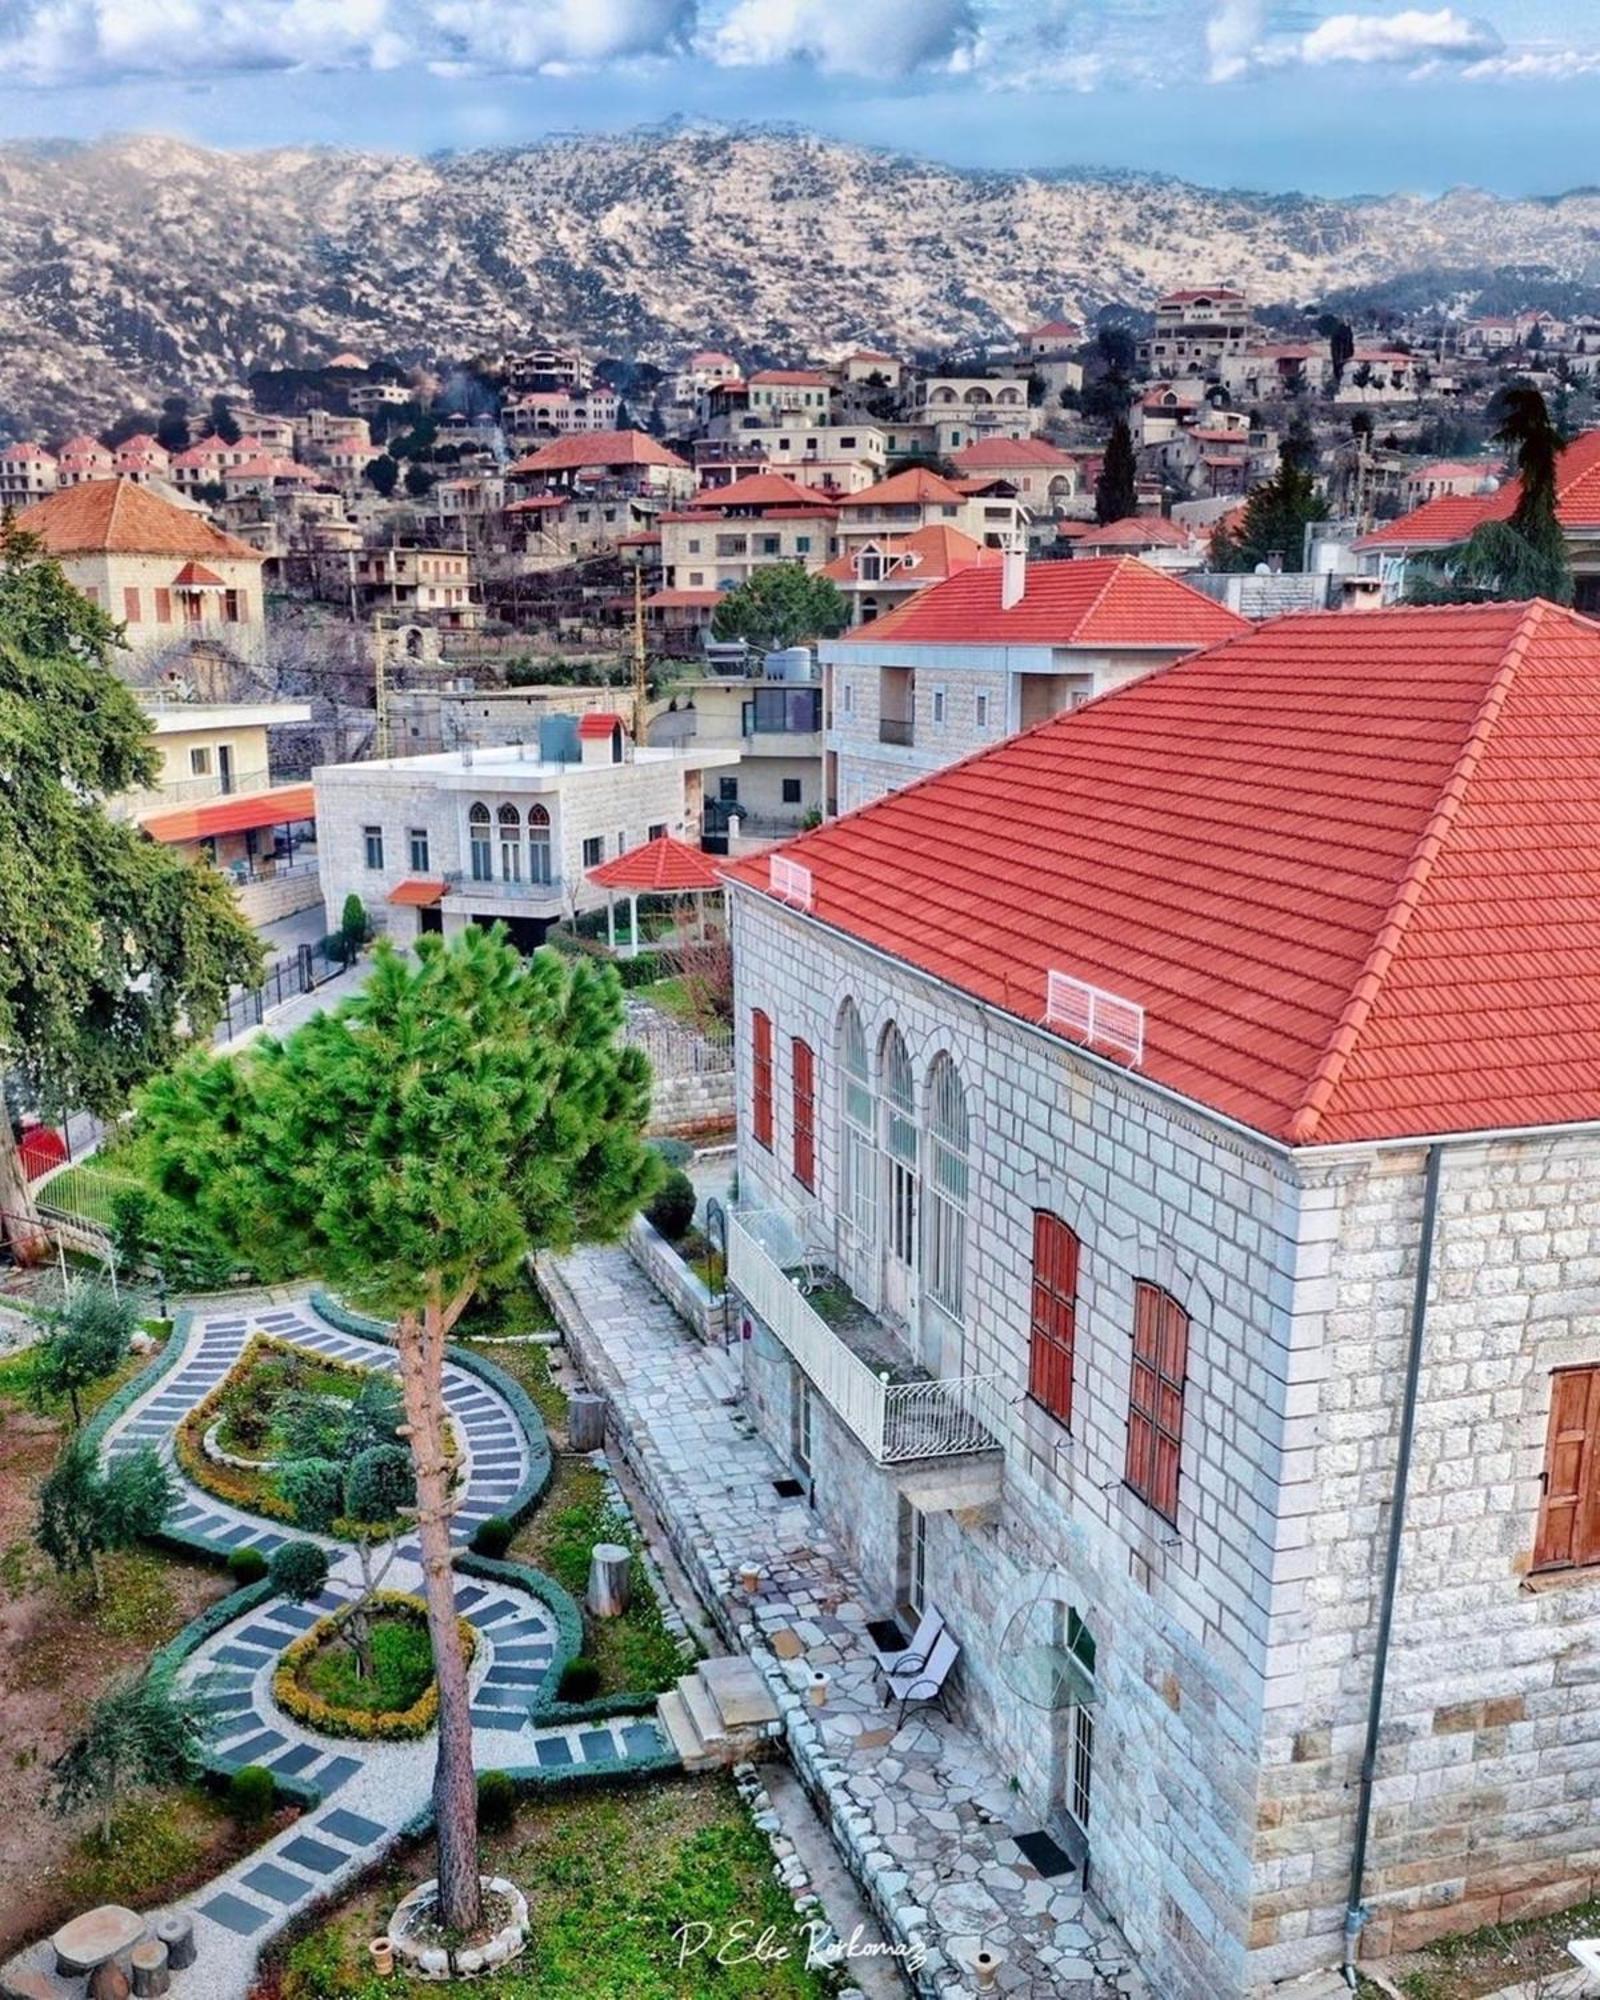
x: 660, y: 867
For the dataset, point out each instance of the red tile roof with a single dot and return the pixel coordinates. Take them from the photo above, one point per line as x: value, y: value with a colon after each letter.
x: 1055, y: 329
x: 419, y: 892
x: 917, y: 487
x: 682, y: 600
x: 791, y: 378
x: 1349, y: 865
x: 599, y: 722
x: 237, y: 814
x: 118, y: 517
x: 761, y: 489
x: 1108, y: 601
x: 195, y: 576
x: 659, y: 867
x: 1140, y: 531
x: 1001, y: 454
x: 1450, y: 518
x: 1219, y: 292
x: 585, y: 448
x: 940, y: 550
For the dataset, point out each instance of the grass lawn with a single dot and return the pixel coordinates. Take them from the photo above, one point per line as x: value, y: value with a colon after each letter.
x: 1480, y: 1962
x: 517, y: 1307
x: 672, y: 997
x: 402, y: 1668
x: 610, y: 1877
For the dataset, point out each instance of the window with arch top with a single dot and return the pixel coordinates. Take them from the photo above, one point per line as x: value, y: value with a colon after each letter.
x: 949, y: 1141
x: 481, y: 843
x: 858, y: 1149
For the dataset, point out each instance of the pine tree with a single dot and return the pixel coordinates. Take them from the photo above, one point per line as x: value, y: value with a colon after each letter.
x: 782, y: 604
x: 468, y: 1106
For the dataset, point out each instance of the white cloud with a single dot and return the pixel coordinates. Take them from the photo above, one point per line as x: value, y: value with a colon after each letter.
x: 1535, y: 65
x: 1409, y: 37
x: 883, y: 38
x: 81, y: 41
x: 1235, y: 38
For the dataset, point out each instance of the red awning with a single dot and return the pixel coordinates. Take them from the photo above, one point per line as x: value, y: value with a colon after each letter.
x: 418, y: 892
x: 280, y: 806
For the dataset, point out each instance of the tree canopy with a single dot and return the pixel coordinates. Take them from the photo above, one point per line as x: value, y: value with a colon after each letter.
x: 141, y: 1732
x: 1276, y: 514
x: 112, y: 948
x: 1525, y: 555
x: 1116, y: 491
x: 783, y: 604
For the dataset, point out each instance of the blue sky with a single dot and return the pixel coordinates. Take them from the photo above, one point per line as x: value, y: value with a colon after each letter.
x: 1332, y: 96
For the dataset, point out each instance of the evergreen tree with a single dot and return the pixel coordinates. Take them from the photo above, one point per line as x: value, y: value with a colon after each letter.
x: 222, y: 422
x: 1276, y: 515
x: 468, y: 1106
x: 1116, y: 491
x: 172, y: 433
x: 1525, y: 555
x: 782, y: 604
x: 382, y: 475
x: 114, y: 950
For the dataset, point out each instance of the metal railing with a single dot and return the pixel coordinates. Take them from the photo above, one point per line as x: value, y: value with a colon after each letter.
x: 521, y: 892
x: 896, y: 1421
x: 892, y: 730
x: 301, y: 971
x: 682, y: 1051
x: 190, y: 791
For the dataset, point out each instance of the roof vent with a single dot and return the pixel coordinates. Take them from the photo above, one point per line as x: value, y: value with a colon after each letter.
x: 1093, y: 1015
x: 790, y: 880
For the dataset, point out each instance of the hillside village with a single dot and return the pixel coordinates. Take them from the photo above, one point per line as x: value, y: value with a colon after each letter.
x: 1101, y: 885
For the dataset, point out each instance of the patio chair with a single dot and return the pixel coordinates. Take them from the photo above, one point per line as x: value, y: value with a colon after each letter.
x: 887, y: 1655
x: 925, y: 1681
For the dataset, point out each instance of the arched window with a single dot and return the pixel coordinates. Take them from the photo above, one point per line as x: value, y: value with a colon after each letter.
x: 510, y: 843
x: 900, y: 1156
x: 858, y: 1153
x: 948, y: 1144
x: 482, y: 845
x: 539, y: 868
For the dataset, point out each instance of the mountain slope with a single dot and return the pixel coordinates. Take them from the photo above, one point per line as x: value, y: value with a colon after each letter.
x: 139, y: 266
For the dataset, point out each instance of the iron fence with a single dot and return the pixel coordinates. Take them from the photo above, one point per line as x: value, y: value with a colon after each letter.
x: 300, y: 971
x: 682, y: 1051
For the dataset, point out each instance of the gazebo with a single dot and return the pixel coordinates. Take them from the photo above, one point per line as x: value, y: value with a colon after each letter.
x: 660, y: 867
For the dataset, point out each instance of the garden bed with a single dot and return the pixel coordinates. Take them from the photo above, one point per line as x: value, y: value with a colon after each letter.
x: 318, y: 1682
x: 1531, y: 1951
x: 59, y: 1652
x: 610, y: 1876
x: 241, y: 1415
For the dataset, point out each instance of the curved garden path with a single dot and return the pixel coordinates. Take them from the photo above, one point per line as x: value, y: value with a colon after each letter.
x: 359, y: 1796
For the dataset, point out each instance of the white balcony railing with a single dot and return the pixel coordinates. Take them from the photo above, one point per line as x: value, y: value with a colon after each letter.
x: 896, y: 1421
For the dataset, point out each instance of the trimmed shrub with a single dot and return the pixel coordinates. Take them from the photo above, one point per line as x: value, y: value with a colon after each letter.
x: 493, y: 1537
x: 298, y: 1570
x: 674, y: 1152
x: 580, y: 1681
x: 497, y: 1802
x: 246, y: 1565
x: 671, y: 1207
x: 251, y: 1792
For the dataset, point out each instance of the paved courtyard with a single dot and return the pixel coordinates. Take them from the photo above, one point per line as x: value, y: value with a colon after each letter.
x: 924, y: 1811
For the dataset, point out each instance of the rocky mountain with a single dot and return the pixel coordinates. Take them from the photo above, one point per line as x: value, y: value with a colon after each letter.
x: 139, y: 266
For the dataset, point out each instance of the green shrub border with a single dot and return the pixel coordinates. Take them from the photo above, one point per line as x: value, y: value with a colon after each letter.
x: 541, y: 1460
x: 400, y: 1725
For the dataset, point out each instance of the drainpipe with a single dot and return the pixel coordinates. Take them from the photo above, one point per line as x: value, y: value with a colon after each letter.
x: 1355, y: 1914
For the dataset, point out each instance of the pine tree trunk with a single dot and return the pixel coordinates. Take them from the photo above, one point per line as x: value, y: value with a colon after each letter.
x: 20, y: 1227
x: 455, y: 1789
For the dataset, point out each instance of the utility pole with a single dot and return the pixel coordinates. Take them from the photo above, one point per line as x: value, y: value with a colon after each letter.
x: 380, y: 733
x: 640, y: 689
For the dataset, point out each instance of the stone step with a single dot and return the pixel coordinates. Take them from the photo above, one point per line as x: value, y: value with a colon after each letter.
x: 673, y: 1714
x: 708, y: 1724
x: 739, y: 1694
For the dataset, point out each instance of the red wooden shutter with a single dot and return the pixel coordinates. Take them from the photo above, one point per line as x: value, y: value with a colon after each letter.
x: 1155, y: 1398
x: 1569, y: 1515
x: 805, y: 1113
x: 1053, y: 1316
x: 761, y: 1077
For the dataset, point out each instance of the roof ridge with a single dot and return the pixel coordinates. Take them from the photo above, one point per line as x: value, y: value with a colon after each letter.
x: 1318, y: 1093
x: 1118, y: 565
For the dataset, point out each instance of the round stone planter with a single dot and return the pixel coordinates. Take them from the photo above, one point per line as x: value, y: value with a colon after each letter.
x: 415, y: 1955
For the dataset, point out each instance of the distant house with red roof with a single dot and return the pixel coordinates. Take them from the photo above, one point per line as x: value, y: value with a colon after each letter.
x: 1188, y: 1092
x: 726, y: 533
x: 1195, y: 328
x: 879, y: 576
x: 27, y: 473
x: 1447, y: 520
x: 995, y: 647
x: 982, y: 505
x: 618, y: 461
x: 158, y: 568
x: 1047, y: 479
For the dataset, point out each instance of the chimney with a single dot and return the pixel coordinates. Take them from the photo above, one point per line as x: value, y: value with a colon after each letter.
x: 1013, y: 577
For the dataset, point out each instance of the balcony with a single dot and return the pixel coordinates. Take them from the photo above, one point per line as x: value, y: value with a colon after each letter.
x: 899, y: 1414
x: 897, y: 729
x: 531, y: 894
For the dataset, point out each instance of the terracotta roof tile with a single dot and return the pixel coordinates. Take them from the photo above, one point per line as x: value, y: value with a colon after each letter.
x: 598, y: 448
x: 1450, y: 518
x: 1349, y: 865
x: 658, y: 865
x: 115, y: 516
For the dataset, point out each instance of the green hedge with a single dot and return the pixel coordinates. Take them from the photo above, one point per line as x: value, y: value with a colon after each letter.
x: 561, y: 1606
x: 237, y: 1604
x: 541, y: 1460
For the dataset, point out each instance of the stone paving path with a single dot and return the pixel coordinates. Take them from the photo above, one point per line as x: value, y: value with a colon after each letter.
x: 923, y: 1813
x: 369, y: 1791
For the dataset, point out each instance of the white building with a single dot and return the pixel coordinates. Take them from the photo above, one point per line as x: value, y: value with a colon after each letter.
x: 1183, y: 1091
x: 997, y: 648
x: 503, y: 834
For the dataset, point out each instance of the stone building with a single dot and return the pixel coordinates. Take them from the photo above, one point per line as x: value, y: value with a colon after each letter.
x: 504, y: 834
x: 994, y: 649
x: 1137, y: 1122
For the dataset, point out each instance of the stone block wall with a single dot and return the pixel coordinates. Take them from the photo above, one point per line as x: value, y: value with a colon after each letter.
x: 1487, y: 1801
x: 1180, y: 1615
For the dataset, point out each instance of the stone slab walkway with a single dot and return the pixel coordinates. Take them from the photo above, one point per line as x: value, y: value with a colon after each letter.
x: 923, y: 1814
x: 369, y: 1791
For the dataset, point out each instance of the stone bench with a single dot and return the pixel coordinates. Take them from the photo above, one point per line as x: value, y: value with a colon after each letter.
x: 88, y: 1941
